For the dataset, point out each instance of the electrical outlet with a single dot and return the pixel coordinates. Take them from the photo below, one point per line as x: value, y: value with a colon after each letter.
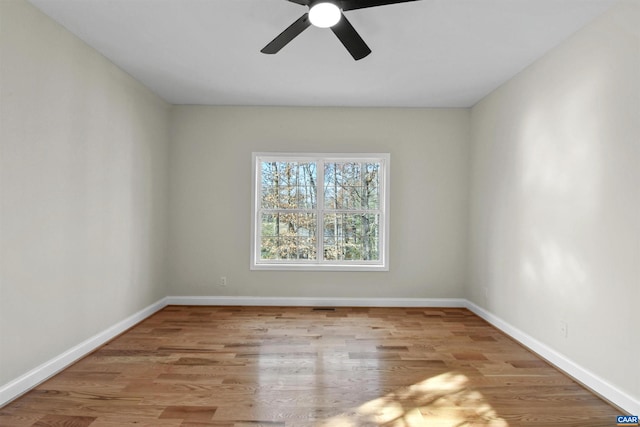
x: 564, y: 329
x: 223, y: 280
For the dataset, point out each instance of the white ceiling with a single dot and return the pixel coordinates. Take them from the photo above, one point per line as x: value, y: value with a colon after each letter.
x: 429, y: 53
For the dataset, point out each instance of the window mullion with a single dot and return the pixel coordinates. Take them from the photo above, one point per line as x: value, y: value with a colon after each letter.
x: 320, y: 211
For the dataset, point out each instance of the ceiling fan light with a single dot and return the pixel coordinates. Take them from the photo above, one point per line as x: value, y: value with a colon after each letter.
x: 324, y: 15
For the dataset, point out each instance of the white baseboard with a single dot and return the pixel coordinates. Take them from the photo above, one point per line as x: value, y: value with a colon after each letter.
x: 584, y: 376
x: 31, y: 379
x: 26, y: 382
x: 318, y: 302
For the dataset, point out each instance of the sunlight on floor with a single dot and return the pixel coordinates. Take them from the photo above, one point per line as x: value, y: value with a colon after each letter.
x: 442, y: 401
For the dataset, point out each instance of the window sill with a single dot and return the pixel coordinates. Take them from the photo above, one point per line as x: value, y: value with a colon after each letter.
x: 318, y: 267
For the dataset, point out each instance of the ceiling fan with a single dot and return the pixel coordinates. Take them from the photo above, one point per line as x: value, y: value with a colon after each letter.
x: 328, y: 14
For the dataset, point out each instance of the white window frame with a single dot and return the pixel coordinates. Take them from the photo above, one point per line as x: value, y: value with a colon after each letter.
x: 320, y: 264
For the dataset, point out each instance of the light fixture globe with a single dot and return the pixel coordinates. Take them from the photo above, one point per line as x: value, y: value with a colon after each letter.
x: 324, y: 14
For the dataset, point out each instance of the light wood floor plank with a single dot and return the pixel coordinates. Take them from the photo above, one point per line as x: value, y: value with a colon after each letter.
x: 295, y: 366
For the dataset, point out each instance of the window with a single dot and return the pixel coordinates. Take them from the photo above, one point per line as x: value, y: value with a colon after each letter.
x: 320, y: 211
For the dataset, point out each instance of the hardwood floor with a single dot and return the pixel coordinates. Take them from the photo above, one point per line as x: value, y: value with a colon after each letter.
x: 284, y: 366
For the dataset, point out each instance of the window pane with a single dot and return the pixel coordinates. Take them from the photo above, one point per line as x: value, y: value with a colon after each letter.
x: 288, y: 236
x: 352, y: 185
x: 288, y: 185
x: 320, y: 211
x: 351, y: 237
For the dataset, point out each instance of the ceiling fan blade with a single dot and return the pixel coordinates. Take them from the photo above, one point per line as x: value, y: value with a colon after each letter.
x: 287, y: 35
x: 350, y: 38
x: 362, y: 4
x: 301, y: 2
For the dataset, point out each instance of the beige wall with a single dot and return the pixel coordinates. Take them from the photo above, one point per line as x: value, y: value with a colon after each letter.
x: 555, y: 206
x: 83, y: 186
x: 211, y: 197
